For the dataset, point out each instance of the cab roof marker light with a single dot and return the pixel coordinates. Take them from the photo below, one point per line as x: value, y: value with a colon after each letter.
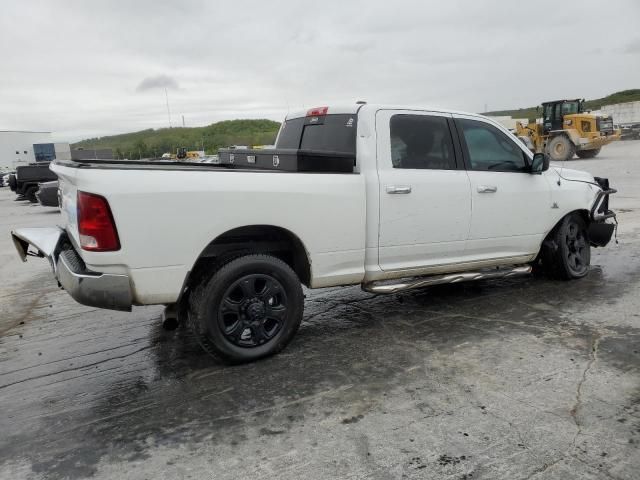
x: 317, y: 112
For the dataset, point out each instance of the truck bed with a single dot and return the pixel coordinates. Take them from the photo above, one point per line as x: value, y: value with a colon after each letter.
x: 167, y: 213
x: 292, y: 161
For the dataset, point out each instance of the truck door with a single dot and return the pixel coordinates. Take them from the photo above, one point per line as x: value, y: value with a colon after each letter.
x: 510, y: 206
x: 425, y: 199
x: 551, y: 117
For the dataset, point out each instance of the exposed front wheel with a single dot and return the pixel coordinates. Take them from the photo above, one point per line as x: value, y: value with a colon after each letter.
x: 567, y: 254
x: 560, y: 148
x: 250, y: 308
x: 588, y: 153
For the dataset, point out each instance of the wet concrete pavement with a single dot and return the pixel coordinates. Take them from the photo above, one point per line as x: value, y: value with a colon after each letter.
x: 525, y: 378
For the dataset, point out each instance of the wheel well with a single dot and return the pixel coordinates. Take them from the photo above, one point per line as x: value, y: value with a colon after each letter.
x: 27, y: 186
x: 583, y: 213
x: 276, y: 241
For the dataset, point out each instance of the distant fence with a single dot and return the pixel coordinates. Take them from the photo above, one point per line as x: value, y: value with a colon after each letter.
x: 92, y: 154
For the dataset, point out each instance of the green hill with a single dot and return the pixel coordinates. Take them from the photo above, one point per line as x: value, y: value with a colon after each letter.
x: 153, y: 143
x: 618, y: 97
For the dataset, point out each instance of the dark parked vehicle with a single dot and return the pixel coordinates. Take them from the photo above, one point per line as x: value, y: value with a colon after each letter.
x: 25, y: 181
x: 48, y: 194
x: 4, y: 179
x: 630, y: 131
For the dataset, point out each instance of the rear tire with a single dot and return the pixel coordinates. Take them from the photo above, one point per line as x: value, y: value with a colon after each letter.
x: 560, y: 148
x: 588, y: 153
x: 250, y: 308
x: 13, y: 182
x: 566, y: 254
x: 30, y: 194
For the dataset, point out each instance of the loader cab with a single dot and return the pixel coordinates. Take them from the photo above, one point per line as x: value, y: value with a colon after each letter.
x: 553, y: 113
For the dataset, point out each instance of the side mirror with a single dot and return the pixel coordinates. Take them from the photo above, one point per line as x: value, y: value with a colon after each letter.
x: 539, y: 164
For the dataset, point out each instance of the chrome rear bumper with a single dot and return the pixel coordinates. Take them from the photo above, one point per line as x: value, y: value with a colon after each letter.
x: 101, y: 290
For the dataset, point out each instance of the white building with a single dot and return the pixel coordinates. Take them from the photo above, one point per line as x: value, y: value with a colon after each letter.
x: 23, y: 147
x: 623, y: 113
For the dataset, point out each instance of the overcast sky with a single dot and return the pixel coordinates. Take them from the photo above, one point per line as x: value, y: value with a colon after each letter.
x: 91, y: 68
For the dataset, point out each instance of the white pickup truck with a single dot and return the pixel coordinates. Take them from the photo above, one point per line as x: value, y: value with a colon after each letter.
x: 428, y: 197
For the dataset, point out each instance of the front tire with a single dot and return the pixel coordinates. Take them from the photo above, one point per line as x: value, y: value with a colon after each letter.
x: 249, y: 309
x: 588, y: 153
x: 567, y: 254
x: 560, y: 148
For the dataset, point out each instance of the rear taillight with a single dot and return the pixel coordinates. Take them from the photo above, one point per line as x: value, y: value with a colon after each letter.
x: 97, y: 229
x: 317, y: 112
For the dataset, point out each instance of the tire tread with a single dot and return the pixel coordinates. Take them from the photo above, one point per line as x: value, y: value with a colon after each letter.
x: 198, y: 298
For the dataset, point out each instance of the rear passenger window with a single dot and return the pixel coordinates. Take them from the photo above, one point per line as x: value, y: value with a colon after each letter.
x: 421, y: 142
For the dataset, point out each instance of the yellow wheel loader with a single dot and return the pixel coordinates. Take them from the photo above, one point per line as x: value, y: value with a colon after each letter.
x: 566, y: 129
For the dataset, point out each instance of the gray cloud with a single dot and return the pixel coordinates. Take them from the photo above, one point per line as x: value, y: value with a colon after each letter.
x: 632, y: 47
x: 73, y: 71
x: 159, y: 81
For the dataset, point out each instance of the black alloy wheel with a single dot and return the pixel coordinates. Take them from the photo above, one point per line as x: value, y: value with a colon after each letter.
x: 250, y: 307
x: 566, y: 253
x: 253, y: 310
x: 577, y: 251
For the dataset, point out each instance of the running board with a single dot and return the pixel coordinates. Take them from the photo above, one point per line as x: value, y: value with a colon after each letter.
x: 386, y: 287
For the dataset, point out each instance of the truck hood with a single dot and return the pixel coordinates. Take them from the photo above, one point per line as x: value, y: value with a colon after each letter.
x: 572, y: 175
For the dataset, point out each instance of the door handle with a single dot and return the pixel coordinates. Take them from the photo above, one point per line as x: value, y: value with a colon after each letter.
x: 398, y: 189
x: 487, y: 189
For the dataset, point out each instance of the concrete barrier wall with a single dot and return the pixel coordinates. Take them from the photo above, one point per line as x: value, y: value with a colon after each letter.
x: 623, y: 112
x: 509, y: 122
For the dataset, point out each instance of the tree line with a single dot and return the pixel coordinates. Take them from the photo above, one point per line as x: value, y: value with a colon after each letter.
x: 153, y: 143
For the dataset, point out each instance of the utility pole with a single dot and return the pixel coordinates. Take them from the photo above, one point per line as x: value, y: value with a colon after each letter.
x: 182, y: 121
x: 166, y: 94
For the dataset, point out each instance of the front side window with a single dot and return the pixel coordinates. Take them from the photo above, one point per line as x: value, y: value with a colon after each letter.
x: 421, y: 142
x: 490, y: 149
x: 569, y: 108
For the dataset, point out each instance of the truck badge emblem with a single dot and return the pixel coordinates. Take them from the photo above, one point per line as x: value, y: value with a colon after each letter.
x: 276, y: 160
x: 349, y: 122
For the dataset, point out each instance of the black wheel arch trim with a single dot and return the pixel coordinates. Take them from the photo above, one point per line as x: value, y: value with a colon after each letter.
x: 215, y: 248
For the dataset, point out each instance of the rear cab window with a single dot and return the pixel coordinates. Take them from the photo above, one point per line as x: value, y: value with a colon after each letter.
x: 324, y: 133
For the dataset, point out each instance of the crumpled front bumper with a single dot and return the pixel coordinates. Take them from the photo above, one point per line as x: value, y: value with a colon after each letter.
x: 101, y: 290
x: 600, y: 231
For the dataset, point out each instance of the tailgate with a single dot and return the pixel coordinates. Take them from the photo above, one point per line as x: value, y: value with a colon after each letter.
x: 68, y: 193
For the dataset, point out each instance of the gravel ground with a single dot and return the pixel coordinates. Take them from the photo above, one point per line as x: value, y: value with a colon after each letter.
x: 518, y: 379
